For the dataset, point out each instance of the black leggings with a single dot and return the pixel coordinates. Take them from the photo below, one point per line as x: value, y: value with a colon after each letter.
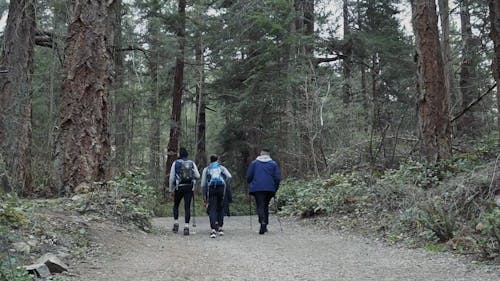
x: 216, y: 206
x: 186, y: 192
x: 262, y: 199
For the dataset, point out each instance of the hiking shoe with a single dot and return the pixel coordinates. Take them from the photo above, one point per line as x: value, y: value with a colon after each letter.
x: 186, y: 230
x: 263, y: 228
x: 213, y: 234
x: 220, y: 232
x: 175, y: 229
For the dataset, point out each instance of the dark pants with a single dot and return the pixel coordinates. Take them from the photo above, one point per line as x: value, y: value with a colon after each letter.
x: 262, y: 199
x: 183, y: 192
x: 216, y: 206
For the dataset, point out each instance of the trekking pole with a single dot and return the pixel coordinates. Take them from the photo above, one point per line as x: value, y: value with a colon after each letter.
x: 250, y: 210
x: 194, y: 211
x: 277, y: 216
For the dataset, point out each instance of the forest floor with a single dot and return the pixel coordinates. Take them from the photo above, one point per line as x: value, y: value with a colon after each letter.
x: 299, y: 252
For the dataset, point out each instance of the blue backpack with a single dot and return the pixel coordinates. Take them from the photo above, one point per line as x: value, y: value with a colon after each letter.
x: 215, y: 174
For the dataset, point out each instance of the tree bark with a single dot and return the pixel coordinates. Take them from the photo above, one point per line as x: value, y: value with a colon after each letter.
x: 469, y: 124
x: 175, y: 118
x: 15, y: 94
x: 201, y: 154
x: 433, y: 101
x: 494, y: 6
x: 83, y: 145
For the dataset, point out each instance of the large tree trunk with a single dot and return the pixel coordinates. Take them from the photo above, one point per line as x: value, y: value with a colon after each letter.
x: 201, y: 154
x: 469, y: 124
x: 175, y: 118
x: 433, y: 101
x: 15, y: 94
x: 83, y: 143
x: 347, y: 63
x: 495, y: 37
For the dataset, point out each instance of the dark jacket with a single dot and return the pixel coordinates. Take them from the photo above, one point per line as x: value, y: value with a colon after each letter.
x: 263, y: 174
x: 174, y: 172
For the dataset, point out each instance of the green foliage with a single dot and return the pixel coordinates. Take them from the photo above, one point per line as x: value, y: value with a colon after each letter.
x: 341, y: 193
x: 492, y: 223
x: 437, y: 218
x: 127, y: 198
x: 436, y: 247
x: 134, y: 198
x: 420, y: 174
x: 11, y: 214
x: 10, y: 271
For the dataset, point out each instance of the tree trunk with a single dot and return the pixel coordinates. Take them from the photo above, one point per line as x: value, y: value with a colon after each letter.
x: 309, y: 22
x: 175, y: 118
x: 347, y: 63
x: 495, y: 37
x: 154, y: 102
x: 201, y: 154
x: 120, y: 107
x: 154, y: 62
x: 83, y: 145
x: 433, y: 101
x: 305, y: 24
x: 450, y: 84
x: 469, y: 124
x: 15, y: 94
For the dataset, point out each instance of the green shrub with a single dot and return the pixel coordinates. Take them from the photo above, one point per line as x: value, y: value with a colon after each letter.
x: 435, y: 217
x: 11, y: 214
x: 10, y: 271
x: 490, y: 243
x: 314, y: 197
x: 127, y: 198
x: 492, y: 224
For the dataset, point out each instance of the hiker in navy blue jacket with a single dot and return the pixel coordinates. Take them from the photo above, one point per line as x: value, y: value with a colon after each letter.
x: 263, y: 176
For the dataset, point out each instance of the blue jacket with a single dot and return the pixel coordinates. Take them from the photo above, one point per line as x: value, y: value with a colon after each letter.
x: 226, y: 177
x: 263, y: 175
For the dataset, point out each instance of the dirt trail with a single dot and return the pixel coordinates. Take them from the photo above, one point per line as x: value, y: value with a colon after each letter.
x: 297, y: 253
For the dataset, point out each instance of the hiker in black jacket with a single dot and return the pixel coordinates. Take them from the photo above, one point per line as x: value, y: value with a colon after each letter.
x: 183, y: 175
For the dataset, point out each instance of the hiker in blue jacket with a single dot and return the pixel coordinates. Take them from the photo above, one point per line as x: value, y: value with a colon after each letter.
x: 263, y: 176
x: 213, y: 187
x: 182, y: 179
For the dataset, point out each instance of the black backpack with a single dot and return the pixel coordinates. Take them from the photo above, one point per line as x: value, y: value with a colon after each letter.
x: 186, y: 172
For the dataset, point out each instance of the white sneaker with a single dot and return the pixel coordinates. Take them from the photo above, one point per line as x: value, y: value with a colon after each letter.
x: 221, y: 232
x: 213, y: 234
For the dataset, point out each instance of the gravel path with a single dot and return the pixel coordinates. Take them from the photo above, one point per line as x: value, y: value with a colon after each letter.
x: 297, y: 253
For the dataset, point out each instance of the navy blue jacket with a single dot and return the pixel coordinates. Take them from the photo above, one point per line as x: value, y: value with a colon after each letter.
x: 263, y: 174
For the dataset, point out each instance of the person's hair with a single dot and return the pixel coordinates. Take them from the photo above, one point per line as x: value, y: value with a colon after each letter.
x: 214, y: 158
x: 265, y: 151
x: 183, y: 152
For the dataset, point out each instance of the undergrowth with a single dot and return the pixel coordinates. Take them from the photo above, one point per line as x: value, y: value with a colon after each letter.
x: 450, y: 203
x: 127, y: 199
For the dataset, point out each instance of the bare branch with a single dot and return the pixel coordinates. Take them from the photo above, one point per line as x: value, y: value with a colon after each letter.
x: 467, y: 108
